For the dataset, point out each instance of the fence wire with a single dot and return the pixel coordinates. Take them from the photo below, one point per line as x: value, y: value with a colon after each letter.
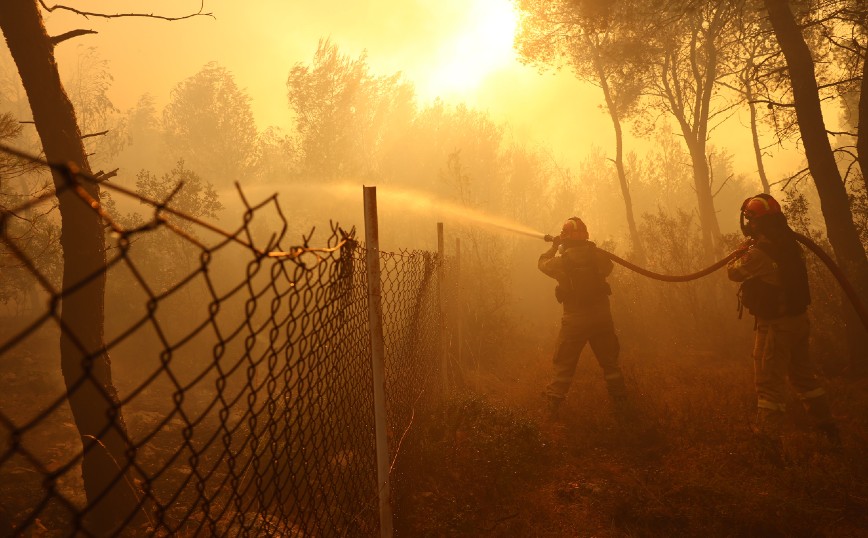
x: 238, y: 399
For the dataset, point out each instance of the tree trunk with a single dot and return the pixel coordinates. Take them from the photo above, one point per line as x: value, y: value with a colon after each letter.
x: 754, y: 131
x: 84, y: 360
x: 638, y: 250
x: 693, y: 121
x: 862, y: 126
x: 834, y: 201
x: 704, y: 197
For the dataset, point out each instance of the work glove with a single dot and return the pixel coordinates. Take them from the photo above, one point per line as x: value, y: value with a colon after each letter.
x: 742, y: 249
x: 555, y: 240
x: 746, y: 244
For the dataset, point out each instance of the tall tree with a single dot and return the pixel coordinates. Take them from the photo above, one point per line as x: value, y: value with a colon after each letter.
x: 144, y: 146
x: 597, y: 41
x: 749, y: 66
x: 862, y: 126
x: 84, y: 360
x: 834, y: 200
x: 88, y: 85
x: 209, y: 123
x: 344, y: 113
x: 691, y: 39
x: 847, y: 33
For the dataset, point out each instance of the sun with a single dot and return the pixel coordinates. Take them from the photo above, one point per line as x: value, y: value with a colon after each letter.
x: 480, y: 45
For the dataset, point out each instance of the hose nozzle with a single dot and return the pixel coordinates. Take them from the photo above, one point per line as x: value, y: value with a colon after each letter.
x: 548, y: 238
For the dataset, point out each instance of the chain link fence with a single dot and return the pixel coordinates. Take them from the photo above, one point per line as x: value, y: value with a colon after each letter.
x: 238, y: 398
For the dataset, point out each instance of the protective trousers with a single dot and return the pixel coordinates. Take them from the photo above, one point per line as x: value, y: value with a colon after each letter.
x: 781, y: 352
x: 576, y: 331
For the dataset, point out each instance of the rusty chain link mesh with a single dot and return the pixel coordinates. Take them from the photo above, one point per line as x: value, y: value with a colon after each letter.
x: 243, y: 377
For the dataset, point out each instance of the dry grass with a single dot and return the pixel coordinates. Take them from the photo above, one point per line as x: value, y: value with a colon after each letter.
x: 688, y: 466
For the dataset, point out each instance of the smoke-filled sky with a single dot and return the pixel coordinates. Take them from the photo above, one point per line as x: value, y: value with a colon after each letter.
x: 460, y: 50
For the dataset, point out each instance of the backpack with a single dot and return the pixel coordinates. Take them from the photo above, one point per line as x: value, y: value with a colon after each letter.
x: 791, y: 298
x: 584, y: 284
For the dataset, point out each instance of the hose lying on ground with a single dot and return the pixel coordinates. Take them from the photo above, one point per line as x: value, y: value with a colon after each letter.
x: 812, y: 246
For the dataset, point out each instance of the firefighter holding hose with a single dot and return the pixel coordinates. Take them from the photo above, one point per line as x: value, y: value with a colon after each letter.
x: 581, y: 270
x: 774, y: 288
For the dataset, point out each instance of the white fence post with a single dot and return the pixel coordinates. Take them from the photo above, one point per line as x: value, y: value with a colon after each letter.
x: 459, y: 305
x: 378, y: 357
x: 441, y: 282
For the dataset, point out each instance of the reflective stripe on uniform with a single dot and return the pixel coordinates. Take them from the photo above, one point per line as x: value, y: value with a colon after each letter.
x: 816, y: 393
x: 766, y: 404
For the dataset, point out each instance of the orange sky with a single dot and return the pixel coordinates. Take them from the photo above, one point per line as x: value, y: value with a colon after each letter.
x: 457, y: 49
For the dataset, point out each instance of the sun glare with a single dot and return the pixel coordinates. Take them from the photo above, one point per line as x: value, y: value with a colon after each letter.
x: 481, y: 44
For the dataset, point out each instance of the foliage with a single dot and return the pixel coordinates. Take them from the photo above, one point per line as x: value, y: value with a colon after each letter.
x: 345, y: 114
x: 688, y: 466
x: 184, y: 190
x: 208, y: 123
x: 595, y: 39
x: 487, y: 451
x: 33, y: 230
x: 164, y: 256
x: 88, y: 86
x: 825, y: 312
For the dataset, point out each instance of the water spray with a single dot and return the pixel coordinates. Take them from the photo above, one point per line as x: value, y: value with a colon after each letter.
x: 421, y: 202
x: 406, y: 199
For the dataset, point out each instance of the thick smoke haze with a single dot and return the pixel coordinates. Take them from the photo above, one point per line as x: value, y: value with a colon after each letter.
x: 645, y: 318
x: 455, y: 50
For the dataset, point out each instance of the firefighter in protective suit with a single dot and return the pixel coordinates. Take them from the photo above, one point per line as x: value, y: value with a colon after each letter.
x: 581, y: 270
x: 774, y: 288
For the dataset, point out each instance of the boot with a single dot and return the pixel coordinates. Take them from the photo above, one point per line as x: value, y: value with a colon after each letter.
x: 821, y: 415
x: 553, y: 407
x: 767, y: 435
x: 769, y: 422
x: 622, y: 408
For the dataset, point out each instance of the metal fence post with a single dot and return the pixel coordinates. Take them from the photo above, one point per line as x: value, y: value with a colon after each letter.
x: 458, y: 303
x: 441, y: 281
x: 378, y: 358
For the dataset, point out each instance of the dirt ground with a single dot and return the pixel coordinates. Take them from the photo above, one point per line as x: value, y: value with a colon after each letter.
x: 494, y: 463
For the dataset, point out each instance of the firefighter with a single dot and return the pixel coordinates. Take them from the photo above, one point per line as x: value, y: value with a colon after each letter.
x: 774, y: 289
x: 581, y: 270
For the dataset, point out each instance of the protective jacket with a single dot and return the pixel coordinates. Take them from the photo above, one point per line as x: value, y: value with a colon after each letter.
x: 581, y: 273
x: 774, y: 280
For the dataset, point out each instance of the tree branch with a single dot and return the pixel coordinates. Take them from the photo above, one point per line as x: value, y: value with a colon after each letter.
x: 838, y: 83
x: 798, y: 176
x: 722, y: 185
x: 841, y: 133
x: 91, y: 135
x: 88, y: 14
x: 774, y: 103
x: 105, y: 176
x: 69, y: 35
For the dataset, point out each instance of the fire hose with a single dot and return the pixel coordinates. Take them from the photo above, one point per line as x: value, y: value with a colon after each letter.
x: 845, y: 284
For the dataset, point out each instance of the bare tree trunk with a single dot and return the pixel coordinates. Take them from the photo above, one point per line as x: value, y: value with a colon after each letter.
x: 84, y: 360
x: 754, y: 131
x: 638, y: 250
x: 693, y: 120
x: 704, y: 197
x: 834, y: 201
x: 862, y: 128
